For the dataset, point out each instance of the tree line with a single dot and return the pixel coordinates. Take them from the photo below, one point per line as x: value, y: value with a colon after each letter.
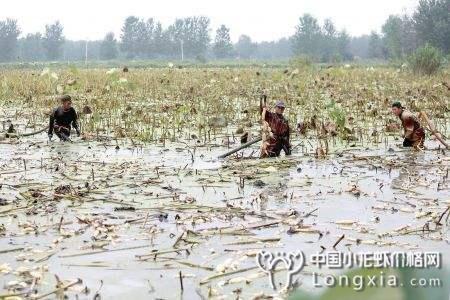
x: 400, y: 36
x: 190, y: 38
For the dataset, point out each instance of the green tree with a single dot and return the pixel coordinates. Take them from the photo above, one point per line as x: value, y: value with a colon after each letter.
x: 190, y: 34
x: 245, y: 48
x: 197, y: 34
x: 129, y: 37
x: 392, y: 31
x: 223, y: 48
x: 432, y: 23
x: 148, y: 38
x: 53, y: 41
x: 108, y: 47
x: 174, y: 38
x: 144, y: 38
x: 343, y: 44
x: 31, y: 47
x: 9, y: 32
x: 307, y: 36
x: 329, y: 45
x: 160, y: 42
x: 408, y: 37
x: 376, y: 47
x: 141, y: 38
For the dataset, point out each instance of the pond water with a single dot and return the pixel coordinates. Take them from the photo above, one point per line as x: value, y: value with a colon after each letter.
x: 88, y: 210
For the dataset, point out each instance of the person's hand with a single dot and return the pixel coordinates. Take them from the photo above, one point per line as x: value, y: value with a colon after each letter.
x: 301, y: 127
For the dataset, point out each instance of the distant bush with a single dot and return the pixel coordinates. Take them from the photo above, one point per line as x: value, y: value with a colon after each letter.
x: 426, y: 60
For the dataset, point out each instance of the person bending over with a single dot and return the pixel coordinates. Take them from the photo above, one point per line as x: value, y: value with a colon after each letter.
x: 62, y: 119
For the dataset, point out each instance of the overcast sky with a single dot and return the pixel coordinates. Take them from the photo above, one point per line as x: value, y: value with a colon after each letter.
x: 261, y: 19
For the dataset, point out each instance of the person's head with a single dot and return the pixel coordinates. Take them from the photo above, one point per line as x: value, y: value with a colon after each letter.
x: 66, y: 102
x: 397, y: 108
x: 279, y: 107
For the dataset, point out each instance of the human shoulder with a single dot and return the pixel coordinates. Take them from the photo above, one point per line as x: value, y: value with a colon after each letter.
x: 408, y: 119
x: 55, y: 110
x: 406, y: 114
x: 268, y: 114
x: 281, y: 117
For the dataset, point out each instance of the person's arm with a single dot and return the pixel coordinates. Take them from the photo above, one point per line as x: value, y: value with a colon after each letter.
x: 51, y: 124
x: 267, y: 115
x: 409, y: 127
x: 262, y: 103
x: 75, y: 121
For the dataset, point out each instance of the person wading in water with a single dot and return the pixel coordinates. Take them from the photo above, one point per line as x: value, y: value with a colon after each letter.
x: 277, y: 136
x: 62, y: 119
x: 414, y: 133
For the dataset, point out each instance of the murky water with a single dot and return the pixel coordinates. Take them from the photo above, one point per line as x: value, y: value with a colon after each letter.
x: 131, y: 201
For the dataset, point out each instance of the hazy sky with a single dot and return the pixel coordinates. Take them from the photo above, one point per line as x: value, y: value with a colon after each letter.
x: 261, y: 19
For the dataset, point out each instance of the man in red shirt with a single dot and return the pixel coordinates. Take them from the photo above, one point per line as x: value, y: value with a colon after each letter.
x: 278, y: 137
x: 414, y: 133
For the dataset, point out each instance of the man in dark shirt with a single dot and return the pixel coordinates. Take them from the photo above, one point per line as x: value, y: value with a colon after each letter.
x: 278, y: 138
x: 414, y: 133
x: 62, y: 119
